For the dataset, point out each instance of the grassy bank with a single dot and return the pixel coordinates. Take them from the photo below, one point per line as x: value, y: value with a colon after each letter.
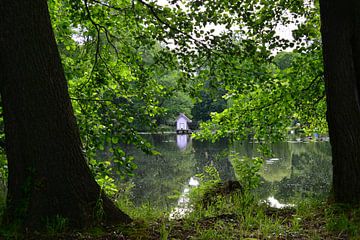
x: 237, y: 217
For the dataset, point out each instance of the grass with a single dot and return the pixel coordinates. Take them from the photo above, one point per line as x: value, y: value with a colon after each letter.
x: 237, y: 218
x: 240, y: 216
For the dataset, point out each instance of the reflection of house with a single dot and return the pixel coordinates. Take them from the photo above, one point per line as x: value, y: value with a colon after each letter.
x: 182, y: 141
x: 182, y: 124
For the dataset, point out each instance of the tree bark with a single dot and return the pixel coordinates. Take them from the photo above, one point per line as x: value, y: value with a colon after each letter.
x: 340, y: 31
x: 48, y: 174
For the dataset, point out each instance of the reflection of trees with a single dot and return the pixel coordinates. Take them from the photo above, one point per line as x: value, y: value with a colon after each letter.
x: 215, y: 154
x: 310, y: 172
x: 275, y: 171
x: 281, y: 168
x: 303, y: 169
x: 157, y: 177
x: 245, y: 149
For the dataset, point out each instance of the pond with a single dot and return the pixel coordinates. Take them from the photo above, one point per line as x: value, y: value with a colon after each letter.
x: 296, y: 170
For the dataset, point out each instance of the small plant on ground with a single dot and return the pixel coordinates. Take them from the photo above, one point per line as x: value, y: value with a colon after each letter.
x: 247, y: 170
x: 55, y: 225
x: 343, y: 218
x: 208, y: 179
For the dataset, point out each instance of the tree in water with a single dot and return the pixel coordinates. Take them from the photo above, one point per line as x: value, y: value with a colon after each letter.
x: 48, y: 174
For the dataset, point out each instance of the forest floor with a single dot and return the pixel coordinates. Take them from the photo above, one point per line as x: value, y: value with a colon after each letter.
x: 321, y: 221
x: 228, y: 226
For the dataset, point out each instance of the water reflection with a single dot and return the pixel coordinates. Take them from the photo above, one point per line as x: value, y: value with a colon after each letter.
x: 273, y: 202
x: 295, y: 171
x: 183, y: 204
x: 182, y: 140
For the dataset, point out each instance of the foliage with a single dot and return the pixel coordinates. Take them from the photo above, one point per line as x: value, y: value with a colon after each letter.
x: 284, y: 60
x: 129, y: 49
x: 207, y: 103
x: 112, y: 74
x: 271, y: 100
x: 209, y: 175
x: 208, y: 179
x: 180, y: 102
x: 265, y: 97
x: 133, y: 64
x: 343, y: 218
x: 247, y: 170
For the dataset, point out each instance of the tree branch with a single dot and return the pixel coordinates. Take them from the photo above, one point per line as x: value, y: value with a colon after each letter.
x: 158, y: 18
x: 109, y: 6
x: 98, y: 40
x: 314, y: 81
x: 92, y: 100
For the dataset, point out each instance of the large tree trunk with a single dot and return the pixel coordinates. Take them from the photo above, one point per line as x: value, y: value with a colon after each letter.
x: 341, y: 48
x: 48, y: 174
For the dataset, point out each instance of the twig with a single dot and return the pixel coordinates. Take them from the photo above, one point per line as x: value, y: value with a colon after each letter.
x: 158, y: 18
x: 315, y: 80
x: 97, y: 51
x: 110, y: 6
x: 92, y: 100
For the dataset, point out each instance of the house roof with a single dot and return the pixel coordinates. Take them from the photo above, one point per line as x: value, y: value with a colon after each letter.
x: 183, y: 116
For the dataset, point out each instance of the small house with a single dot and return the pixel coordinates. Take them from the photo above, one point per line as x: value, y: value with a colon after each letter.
x: 182, y: 124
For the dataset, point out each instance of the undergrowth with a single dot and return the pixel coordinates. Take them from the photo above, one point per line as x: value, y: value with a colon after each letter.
x: 243, y: 217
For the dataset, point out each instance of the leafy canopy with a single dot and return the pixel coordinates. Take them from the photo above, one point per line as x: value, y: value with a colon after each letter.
x: 129, y: 63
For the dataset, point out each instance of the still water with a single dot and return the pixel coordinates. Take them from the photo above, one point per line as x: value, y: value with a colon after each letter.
x: 296, y: 170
